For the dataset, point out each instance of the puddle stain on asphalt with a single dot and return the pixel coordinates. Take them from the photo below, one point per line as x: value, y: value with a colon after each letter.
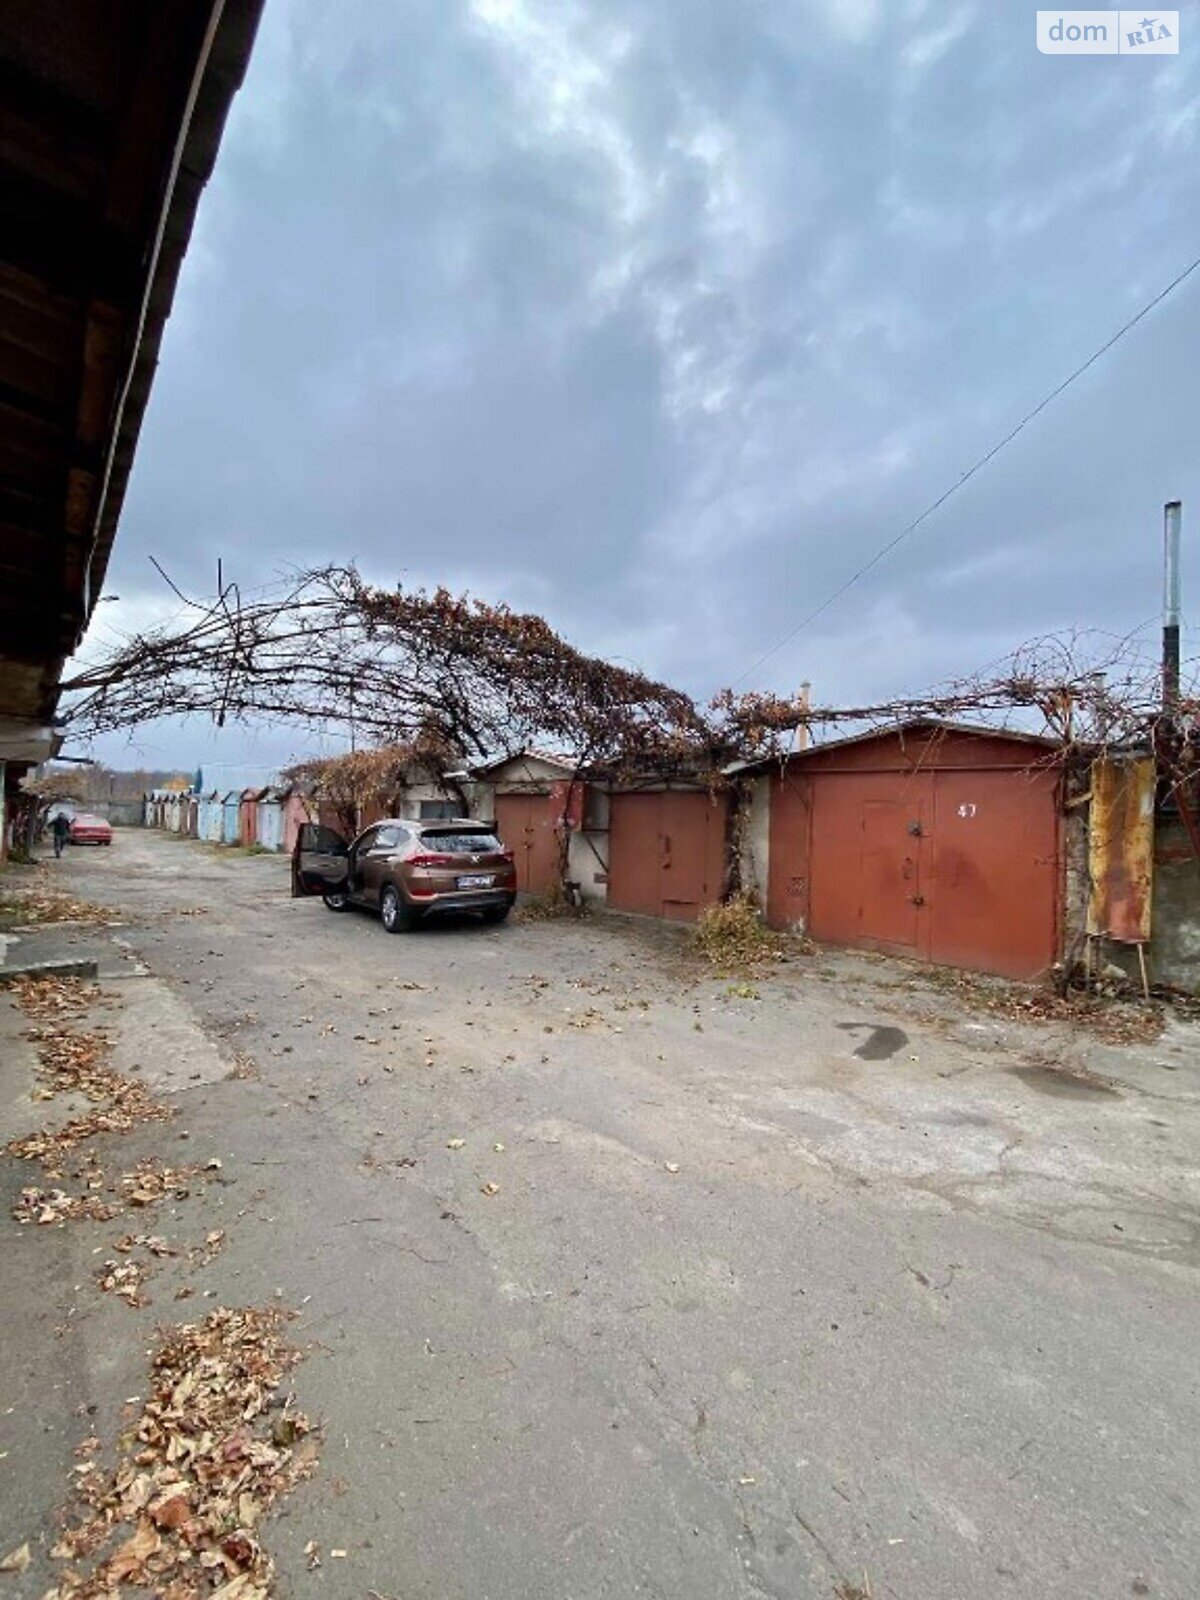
x: 881, y: 1044
x: 1066, y: 1085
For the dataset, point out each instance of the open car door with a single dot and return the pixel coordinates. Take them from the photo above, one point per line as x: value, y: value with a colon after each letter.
x: 319, y: 861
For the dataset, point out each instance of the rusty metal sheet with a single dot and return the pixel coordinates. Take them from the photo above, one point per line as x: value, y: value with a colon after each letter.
x: 635, y: 854
x: 959, y: 866
x: 1121, y: 849
x: 994, y: 883
x: 666, y: 853
x: 693, y: 858
x: 525, y: 823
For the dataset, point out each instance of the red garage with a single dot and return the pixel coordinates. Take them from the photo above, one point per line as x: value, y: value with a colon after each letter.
x: 525, y: 822
x: 527, y: 794
x: 666, y: 851
x: 938, y: 841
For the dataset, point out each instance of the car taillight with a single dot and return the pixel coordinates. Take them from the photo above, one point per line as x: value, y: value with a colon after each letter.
x: 431, y: 861
x: 508, y: 856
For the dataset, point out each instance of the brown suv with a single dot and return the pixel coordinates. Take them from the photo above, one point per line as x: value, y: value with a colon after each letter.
x: 407, y: 870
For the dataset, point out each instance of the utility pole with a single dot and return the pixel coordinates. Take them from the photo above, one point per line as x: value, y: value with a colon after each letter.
x: 803, y: 736
x: 1172, y: 528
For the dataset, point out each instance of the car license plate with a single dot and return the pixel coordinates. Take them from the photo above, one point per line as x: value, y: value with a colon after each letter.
x: 477, y: 880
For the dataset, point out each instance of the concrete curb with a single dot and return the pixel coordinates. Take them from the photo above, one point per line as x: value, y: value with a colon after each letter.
x: 66, y: 968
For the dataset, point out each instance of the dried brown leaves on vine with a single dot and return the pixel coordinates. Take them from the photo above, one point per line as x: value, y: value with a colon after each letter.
x: 428, y: 673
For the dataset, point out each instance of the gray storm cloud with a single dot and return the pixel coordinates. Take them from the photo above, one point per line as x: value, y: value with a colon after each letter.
x: 660, y: 320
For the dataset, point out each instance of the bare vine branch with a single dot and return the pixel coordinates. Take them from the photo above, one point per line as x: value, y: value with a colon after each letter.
x: 439, y: 678
x: 408, y: 669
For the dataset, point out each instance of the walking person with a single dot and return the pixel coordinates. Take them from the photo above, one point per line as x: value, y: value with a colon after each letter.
x: 61, y: 829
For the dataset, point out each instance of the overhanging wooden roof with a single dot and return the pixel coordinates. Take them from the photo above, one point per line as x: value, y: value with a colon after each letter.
x: 110, y: 120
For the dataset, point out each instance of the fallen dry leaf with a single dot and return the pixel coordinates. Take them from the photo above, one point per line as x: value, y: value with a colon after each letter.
x: 128, y: 1562
x: 214, y: 1243
x: 171, y: 1510
x: 16, y: 1560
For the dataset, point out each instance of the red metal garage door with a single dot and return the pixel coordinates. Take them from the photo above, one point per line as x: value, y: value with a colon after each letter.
x: 994, y: 893
x: 526, y: 826
x: 666, y: 853
x: 635, y: 853
x: 867, y: 861
x: 956, y: 865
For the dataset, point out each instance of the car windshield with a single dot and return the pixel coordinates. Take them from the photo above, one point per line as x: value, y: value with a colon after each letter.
x: 461, y: 844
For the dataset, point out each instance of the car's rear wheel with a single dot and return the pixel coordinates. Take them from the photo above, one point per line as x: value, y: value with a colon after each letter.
x: 496, y: 913
x: 336, y: 900
x: 395, y: 912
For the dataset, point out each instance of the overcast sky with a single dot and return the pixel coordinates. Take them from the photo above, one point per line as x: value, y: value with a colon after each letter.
x: 661, y: 319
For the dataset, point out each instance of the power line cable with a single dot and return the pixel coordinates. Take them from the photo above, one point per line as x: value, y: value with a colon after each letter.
x: 886, y: 550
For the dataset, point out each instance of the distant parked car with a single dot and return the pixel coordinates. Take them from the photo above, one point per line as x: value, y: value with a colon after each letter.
x: 407, y: 871
x: 87, y: 829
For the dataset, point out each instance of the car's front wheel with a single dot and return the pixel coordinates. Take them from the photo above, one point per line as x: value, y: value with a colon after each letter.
x: 395, y: 913
x: 335, y: 899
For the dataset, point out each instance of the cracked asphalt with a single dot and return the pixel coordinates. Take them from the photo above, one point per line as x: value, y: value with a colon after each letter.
x: 820, y: 1285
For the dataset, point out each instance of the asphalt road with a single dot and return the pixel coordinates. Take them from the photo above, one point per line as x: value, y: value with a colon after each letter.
x: 914, y: 1318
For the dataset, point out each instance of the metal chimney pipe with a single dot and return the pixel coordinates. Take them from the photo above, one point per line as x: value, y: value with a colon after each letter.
x: 1172, y: 527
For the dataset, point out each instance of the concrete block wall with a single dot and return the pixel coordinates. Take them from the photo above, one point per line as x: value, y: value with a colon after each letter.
x: 755, y: 851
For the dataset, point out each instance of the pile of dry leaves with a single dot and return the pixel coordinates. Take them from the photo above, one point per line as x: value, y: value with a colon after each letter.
x: 48, y: 1206
x: 152, y: 1180
x: 71, y: 1061
x: 733, y: 938
x: 37, y: 902
x: 1110, y: 1020
x: 149, y: 1182
x: 548, y: 905
x: 55, y: 999
x: 216, y: 1445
